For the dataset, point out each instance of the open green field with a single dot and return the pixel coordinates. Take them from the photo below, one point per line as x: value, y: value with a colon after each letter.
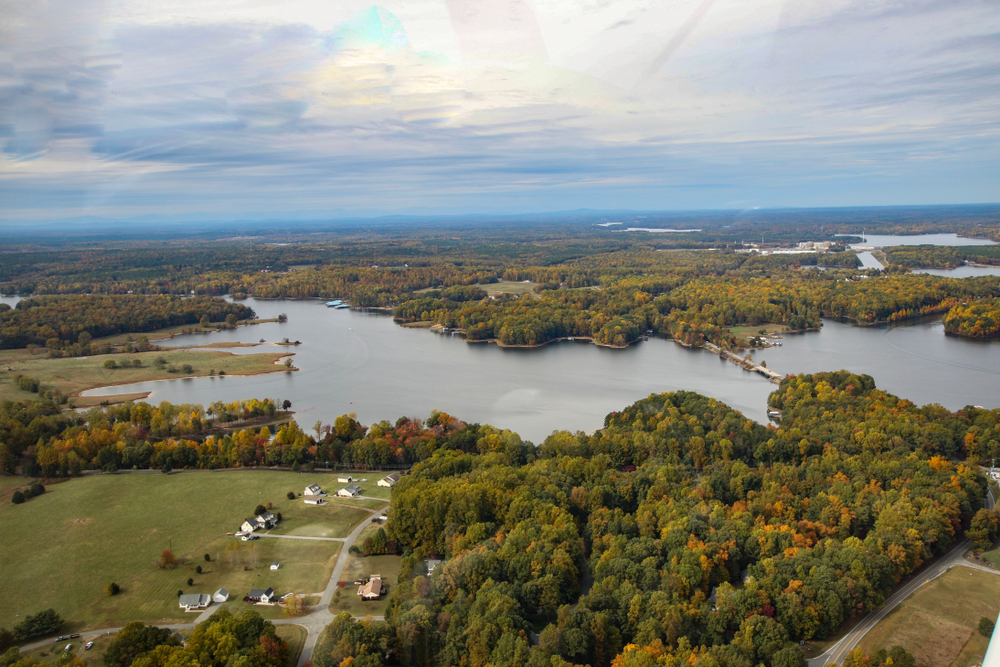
x: 937, y: 624
x: 508, y: 287
x: 295, y: 637
x: 329, y: 520
x: 743, y: 332
x: 72, y: 375
x: 60, y: 549
x: 346, y: 598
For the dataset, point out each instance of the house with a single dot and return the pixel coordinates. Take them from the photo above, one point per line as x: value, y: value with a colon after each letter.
x: 220, y: 595
x: 312, y: 490
x: 313, y: 500
x: 372, y: 590
x: 262, y: 522
x: 349, y: 491
x: 195, y: 601
x: 430, y: 565
x: 389, y: 480
x: 275, y: 565
x: 346, y: 479
x: 262, y: 595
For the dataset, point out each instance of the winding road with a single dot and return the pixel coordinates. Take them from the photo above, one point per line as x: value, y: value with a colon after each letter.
x: 956, y: 557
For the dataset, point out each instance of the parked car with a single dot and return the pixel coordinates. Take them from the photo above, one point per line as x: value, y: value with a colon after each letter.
x: 74, y: 635
x: 61, y: 639
x: 88, y: 646
x: 69, y: 647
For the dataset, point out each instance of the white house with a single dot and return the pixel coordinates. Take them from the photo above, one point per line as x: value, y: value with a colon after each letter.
x: 275, y: 565
x: 220, y: 595
x: 312, y: 500
x: 346, y: 479
x: 312, y: 490
x: 389, y: 480
x: 249, y: 526
x: 372, y: 590
x: 349, y: 491
x: 264, y: 521
x: 262, y: 595
x: 195, y: 601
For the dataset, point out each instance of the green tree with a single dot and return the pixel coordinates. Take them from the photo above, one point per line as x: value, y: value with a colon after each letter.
x: 134, y: 640
x: 985, y: 627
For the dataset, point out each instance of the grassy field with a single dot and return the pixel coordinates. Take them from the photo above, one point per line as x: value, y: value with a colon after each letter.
x: 60, y: 549
x: 295, y: 637
x: 508, y: 287
x: 937, y: 624
x: 346, y: 598
x: 743, y: 332
x: 93, y: 658
x: 77, y: 374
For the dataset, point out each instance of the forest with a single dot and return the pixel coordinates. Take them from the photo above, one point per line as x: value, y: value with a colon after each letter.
x: 57, y: 321
x: 679, y: 533
x: 979, y: 319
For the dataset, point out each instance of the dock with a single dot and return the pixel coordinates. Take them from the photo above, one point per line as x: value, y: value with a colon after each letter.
x: 774, y: 377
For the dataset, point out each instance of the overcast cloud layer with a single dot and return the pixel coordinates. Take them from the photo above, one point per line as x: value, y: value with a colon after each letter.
x: 222, y: 107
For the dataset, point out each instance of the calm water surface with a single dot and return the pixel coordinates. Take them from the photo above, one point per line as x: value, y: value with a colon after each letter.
x: 886, y: 240
x: 962, y: 271
x: 354, y: 361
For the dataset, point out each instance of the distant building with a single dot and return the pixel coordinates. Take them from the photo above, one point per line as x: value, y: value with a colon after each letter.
x: 431, y: 565
x: 220, y: 595
x: 275, y: 565
x: 344, y: 479
x: 313, y: 490
x: 312, y: 500
x: 372, y: 590
x: 389, y: 480
x: 263, y: 522
x: 194, y: 601
x: 349, y: 491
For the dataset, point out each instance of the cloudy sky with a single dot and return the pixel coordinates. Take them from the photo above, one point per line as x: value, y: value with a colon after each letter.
x: 120, y: 108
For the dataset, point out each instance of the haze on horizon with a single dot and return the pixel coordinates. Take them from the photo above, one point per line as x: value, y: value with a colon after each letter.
x: 119, y: 108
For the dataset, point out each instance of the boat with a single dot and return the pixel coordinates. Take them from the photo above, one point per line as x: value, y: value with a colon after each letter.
x: 334, y: 303
x: 342, y: 306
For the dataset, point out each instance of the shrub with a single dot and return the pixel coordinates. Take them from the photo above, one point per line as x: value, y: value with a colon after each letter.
x: 222, y: 373
x: 198, y: 569
x: 110, y: 363
x: 354, y: 549
x: 36, y: 489
x: 137, y: 363
x: 187, y: 368
x: 167, y: 559
x: 260, y: 509
x: 112, y: 589
x: 190, y: 581
x: 17, y: 498
x: 25, y: 383
x: 278, y: 516
x: 290, y: 495
x: 207, y: 558
x: 985, y: 627
x: 179, y: 592
x: 42, y: 623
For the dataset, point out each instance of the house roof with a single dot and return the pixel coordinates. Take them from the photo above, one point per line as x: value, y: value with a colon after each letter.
x: 353, y: 488
x: 222, y: 591
x: 194, y: 599
x: 394, y: 476
x: 261, y: 592
x: 313, y: 486
x: 266, y: 516
x: 373, y: 587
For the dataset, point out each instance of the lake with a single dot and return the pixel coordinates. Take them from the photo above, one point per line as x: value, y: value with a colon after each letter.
x: 962, y: 271
x: 887, y: 240
x: 362, y: 362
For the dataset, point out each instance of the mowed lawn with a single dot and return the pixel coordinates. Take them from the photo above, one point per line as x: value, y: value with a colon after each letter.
x: 937, y: 624
x: 346, y: 598
x: 61, y: 549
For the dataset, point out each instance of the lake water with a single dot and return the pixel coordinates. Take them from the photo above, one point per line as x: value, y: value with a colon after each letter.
x: 886, y: 240
x: 917, y: 361
x: 356, y: 361
x: 962, y: 271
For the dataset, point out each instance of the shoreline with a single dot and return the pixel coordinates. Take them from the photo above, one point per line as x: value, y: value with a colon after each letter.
x: 83, y: 392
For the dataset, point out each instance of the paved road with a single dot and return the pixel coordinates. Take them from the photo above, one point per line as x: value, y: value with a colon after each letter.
x: 956, y: 557
x: 313, y: 623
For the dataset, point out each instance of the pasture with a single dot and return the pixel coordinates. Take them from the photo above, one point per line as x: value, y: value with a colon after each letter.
x: 62, y: 548
x: 937, y: 624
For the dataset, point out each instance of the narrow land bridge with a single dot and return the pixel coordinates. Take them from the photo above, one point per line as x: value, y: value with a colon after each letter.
x: 774, y: 377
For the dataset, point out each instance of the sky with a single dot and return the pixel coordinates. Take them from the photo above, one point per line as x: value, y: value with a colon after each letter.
x: 223, y: 108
